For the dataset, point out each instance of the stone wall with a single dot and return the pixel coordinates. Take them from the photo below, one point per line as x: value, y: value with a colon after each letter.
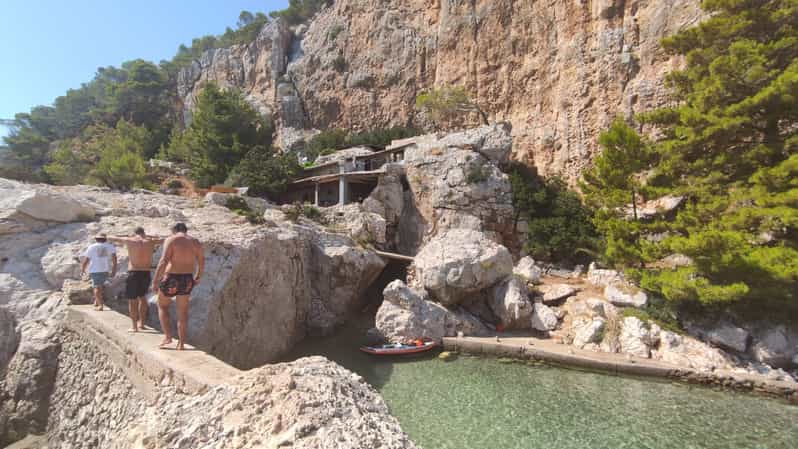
x: 93, y: 401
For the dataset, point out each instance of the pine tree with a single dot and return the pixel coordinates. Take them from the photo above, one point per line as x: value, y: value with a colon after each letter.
x: 729, y: 147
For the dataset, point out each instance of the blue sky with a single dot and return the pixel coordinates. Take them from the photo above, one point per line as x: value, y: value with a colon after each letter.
x: 51, y: 46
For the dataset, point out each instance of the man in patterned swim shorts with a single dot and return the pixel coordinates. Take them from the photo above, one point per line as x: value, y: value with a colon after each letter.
x: 181, y: 255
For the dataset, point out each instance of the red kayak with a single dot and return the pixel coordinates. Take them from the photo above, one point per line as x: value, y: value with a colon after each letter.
x: 398, y: 349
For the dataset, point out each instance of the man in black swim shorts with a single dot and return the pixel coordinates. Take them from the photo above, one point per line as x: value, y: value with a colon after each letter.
x: 176, y: 278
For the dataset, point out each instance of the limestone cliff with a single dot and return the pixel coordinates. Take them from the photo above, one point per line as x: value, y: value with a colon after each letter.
x: 559, y: 71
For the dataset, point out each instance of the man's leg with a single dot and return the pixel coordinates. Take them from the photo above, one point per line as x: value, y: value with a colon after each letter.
x: 97, y: 293
x: 163, y: 316
x: 181, y: 303
x: 98, y: 297
x: 142, y: 305
x: 133, y: 310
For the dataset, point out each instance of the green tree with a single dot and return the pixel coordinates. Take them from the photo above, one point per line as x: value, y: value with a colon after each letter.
x: 265, y: 172
x: 729, y: 147
x: 447, y: 103
x: 613, y: 188
x: 299, y: 11
x: 223, y: 129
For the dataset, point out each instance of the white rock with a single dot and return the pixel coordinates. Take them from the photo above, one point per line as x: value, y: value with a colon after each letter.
x: 406, y: 314
x: 686, y: 351
x: 602, y: 277
x: 60, y: 263
x: 46, y: 206
x: 509, y: 301
x: 556, y: 292
x: 460, y: 263
x: 597, y: 306
x: 589, y: 332
x: 527, y: 269
x: 635, y: 337
x: 543, y: 318
x: 625, y: 295
x: 729, y: 336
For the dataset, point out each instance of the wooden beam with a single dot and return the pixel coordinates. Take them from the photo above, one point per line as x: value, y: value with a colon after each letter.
x: 395, y: 256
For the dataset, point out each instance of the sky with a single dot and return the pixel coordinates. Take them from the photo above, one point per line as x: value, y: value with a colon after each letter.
x: 49, y: 46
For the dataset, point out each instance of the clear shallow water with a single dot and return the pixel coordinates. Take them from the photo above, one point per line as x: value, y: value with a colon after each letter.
x: 480, y: 403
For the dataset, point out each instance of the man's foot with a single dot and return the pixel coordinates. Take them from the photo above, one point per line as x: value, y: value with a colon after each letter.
x: 180, y: 346
x: 142, y: 326
x: 100, y: 309
x: 165, y: 342
x: 134, y: 330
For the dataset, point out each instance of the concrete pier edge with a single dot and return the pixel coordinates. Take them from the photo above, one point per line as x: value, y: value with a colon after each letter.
x: 567, y: 356
x: 138, y: 356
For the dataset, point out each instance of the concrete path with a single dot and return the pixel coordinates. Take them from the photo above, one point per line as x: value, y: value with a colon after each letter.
x: 138, y: 354
x: 543, y: 349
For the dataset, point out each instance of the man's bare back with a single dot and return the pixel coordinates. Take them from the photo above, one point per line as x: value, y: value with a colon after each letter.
x: 139, y: 252
x: 182, y: 253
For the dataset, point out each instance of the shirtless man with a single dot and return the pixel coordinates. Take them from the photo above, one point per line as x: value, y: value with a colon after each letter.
x: 181, y: 254
x: 140, y: 248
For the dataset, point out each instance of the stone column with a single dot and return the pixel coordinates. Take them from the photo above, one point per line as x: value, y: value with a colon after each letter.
x: 316, y: 199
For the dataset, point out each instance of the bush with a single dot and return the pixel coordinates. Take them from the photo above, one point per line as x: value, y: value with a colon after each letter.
x: 558, y: 224
x: 339, y: 63
x: 335, y: 31
x: 266, y: 173
x: 239, y: 205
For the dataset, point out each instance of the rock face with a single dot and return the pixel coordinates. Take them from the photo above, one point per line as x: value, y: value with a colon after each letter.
x: 255, y: 68
x: 729, y: 336
x: 556, y: 292
x: 460, y: 263
x: 406, y: 314
x: 361, y: 64
x: 9, y: 338
x: 589, y: 332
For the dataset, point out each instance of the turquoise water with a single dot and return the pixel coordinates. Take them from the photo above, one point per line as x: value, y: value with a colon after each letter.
x: 481, y: 403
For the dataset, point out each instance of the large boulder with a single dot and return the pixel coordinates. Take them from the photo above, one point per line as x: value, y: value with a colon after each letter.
x: 623, y: 294
x: 361, y: 225
x: 456, y: 182
x: 509, y: 301
x: 543, y: 318
x: 18, y: 202
x: 460, y: 263
x: 729, y: 336
x: 406, y: 314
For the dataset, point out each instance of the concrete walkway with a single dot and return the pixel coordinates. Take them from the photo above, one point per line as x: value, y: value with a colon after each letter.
x: 147, y: 366
x: 528, y: 348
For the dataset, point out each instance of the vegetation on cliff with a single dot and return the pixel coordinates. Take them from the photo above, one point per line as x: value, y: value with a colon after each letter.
x: 729, y: 148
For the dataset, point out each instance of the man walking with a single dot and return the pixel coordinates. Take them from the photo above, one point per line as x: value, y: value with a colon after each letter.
x: 140, y: 249
x: 100, y: 258
x: 181, y: 255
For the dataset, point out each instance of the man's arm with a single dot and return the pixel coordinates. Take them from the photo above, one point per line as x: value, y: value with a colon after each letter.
x: 165, y: 258
x: 122, y: 240
x: 199, y: 254
x: 113, y: 267
x: 83, y: 265
x: 156, y: 240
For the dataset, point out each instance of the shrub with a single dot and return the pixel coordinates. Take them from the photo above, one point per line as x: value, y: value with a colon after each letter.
x: 477, y: 173
x: 239, y: 205
x: 339, y: 63
x: 335, y: 31
x: 558, y: 224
